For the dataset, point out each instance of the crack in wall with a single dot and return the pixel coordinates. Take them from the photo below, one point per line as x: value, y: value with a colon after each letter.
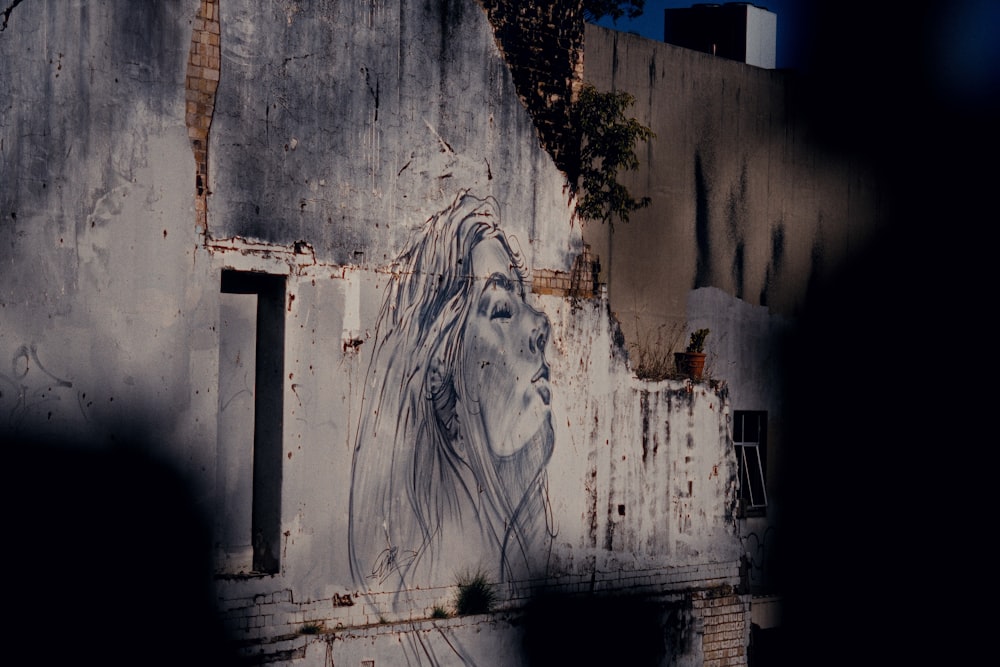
x: 6, y: 14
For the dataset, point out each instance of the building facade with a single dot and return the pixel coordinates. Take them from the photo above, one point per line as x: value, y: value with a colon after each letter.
x: 319, y: 262
x: 749, y: 213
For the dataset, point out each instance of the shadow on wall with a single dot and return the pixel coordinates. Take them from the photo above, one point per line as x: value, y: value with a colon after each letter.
x: 605, y: 630
x: 107, y: 559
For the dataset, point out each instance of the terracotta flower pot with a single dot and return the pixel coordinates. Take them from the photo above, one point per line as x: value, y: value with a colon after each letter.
x: 690, y: 364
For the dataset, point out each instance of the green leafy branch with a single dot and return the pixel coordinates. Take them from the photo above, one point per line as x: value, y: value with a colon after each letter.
x: 597, y: 9
x: 608, y: 145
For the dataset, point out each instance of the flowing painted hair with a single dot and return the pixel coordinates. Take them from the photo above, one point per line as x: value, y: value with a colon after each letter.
x: 416, y: 464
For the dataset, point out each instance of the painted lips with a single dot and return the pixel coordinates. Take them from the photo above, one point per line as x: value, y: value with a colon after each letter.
x: 542, y: 377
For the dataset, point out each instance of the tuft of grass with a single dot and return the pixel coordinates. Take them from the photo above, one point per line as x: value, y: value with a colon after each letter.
x: 439, y: 612
x: 654, y: 364
x: 653, y: 357
x: 475, y: 594
x: 311, y: 629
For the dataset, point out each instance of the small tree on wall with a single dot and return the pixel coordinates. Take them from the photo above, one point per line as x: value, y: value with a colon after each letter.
x: 608, y: 145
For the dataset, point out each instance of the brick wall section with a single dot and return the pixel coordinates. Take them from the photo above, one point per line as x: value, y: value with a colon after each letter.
x: 725, y: 619
x: 542, y: 43
x: 581, y: 282
x: 270, y: 623
x: 201, y: 83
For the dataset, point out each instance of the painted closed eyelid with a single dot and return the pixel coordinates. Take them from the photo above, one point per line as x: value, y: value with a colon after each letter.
x: 501, y: 281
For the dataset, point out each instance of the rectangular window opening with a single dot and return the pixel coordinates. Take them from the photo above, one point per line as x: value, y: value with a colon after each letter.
x: 750, y: 441
x: 251, y: 409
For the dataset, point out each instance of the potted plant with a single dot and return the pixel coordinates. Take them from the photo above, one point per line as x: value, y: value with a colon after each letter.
x: 691, y: 362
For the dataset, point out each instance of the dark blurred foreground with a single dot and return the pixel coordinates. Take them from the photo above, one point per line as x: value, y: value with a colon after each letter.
x: 890, y: 383
x: 107, y: 560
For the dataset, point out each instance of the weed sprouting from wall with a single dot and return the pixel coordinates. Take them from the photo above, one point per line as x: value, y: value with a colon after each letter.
x: 653, y: 356
x: 608, y: 146
x: 475, y: 594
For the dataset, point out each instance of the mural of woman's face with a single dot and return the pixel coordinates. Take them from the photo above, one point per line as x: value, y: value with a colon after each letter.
x: 505, y: 373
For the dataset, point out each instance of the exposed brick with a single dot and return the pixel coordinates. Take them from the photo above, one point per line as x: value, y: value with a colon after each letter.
x: 543, y: 46
x: 201, y: 84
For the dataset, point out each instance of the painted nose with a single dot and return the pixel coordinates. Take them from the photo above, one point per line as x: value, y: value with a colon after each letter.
x: 539, y: 334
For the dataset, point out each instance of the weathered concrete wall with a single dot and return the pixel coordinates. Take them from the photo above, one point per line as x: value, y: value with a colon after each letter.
x: 742, y: 200
x: 402, y: 107
x: 103, y: 310
x: 542, y: 44
x: 442, y: 403
x: 748, y: 213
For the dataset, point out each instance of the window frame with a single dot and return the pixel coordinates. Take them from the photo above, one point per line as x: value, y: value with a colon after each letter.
x: 749, y: 434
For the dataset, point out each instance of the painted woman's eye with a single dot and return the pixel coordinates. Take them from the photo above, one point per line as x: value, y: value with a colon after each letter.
x: 500, y: 311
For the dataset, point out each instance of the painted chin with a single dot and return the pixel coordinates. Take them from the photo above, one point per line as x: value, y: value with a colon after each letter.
x: 517, y: 439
